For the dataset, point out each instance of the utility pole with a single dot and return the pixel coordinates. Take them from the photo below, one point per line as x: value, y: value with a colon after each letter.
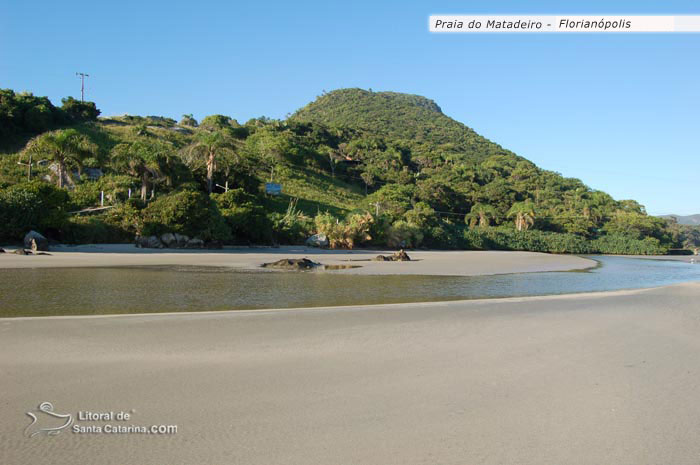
x: 82, y: 85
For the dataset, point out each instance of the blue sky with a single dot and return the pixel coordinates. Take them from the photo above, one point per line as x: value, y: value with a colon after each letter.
x: 616, y: 110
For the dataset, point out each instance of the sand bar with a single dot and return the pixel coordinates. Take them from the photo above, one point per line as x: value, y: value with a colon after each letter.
x: 444, y: 263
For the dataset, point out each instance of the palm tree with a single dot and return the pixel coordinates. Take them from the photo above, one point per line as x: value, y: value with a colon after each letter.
x: 524, y: 214
x: 66, y: 148
x: 143, y: 159
x: 210, y: 148
x: 481, y: 214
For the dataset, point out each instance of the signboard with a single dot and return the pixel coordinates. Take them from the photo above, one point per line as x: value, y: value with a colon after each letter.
x: 273, y: 188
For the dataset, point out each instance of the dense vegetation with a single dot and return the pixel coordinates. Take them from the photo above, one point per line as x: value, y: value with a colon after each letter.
x: 365, y: 168
x: 24, y: 113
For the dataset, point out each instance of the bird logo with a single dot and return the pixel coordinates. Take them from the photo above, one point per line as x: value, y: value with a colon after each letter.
x: 46, y: 413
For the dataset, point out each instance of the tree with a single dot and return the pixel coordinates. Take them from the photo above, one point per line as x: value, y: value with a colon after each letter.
x: 209, y: 148
x: 66, y: 148
x: 368, y: 178
x: 523, y: 213
x: 188, y: 120
x: 481, y: 214
x: 76, y: 110
x: 143, y: 159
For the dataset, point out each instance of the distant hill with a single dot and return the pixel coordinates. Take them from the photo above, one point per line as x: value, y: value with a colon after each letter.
x: 692, y: 220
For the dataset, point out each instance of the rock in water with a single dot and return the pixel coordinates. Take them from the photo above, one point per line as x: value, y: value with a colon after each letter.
x: 22, y: 252
x: 318, y: 240
x: 36, y: 242
x: 2, y: 250
x: 292, y: 264
x: 400, y: 256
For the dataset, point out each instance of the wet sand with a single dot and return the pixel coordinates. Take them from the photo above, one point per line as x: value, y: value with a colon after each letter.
x: 443, y: 263
x: 581, y: 379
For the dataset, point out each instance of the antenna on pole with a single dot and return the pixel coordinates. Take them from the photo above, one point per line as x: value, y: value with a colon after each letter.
x: 82, y: 85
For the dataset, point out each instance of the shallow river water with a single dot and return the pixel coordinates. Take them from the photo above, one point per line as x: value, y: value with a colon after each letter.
x: 79, y: 291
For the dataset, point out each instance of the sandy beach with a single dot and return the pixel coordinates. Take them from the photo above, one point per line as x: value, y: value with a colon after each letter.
x: 442, y: 263
x: 579, y: 379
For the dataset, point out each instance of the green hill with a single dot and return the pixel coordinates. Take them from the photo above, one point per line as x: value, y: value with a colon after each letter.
x: 413, y: 119
x: 365, y: 168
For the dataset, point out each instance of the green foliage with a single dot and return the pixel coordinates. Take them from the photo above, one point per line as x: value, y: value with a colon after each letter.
x: 403, y: 234
x: 244, y: 216
x: 393, y: 200
x: 32, y: 205
x: 635, y: 224
x: 188, y: 120
x: 211, y: 150
x: 392, y: 115
x: 216, y: 122
x: 77, y: 111
x: 534, y: 241
x: 481, y: 215
x: 117, y: 225
x: 629, y: 245
x: 346, y: 234
x: 145, y: 159
x: 190, y: 213
x: 292, y: 227
x: 66, y: 148
x: 395, y: 157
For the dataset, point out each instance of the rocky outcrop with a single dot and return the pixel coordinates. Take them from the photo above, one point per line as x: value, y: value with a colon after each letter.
x: 22, y: 252
x: 400, y: 256
x: 181, y: 240
x: 175, y: 241
x: 298, y: 264
x: 2, y: 250
x: 194, y: 243
x: 36, y: 242
x: 318, y: 240
x: 169, y: 240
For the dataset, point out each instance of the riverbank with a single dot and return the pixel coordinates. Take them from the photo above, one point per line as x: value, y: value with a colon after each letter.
x: 438, y: 263
x: 589, y: 378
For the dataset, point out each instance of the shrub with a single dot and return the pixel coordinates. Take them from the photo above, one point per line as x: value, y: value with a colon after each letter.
x: 32, y: 205
x: 292, y: 227
x: 404, y: 234
x: 244, y: 216
x: 190, y: 213
x: 345, y: 234
x: 534, y: 241
x: 76, y: 111
x: 618, y: 244
x: 85, y: 195
x: 444, y: 236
